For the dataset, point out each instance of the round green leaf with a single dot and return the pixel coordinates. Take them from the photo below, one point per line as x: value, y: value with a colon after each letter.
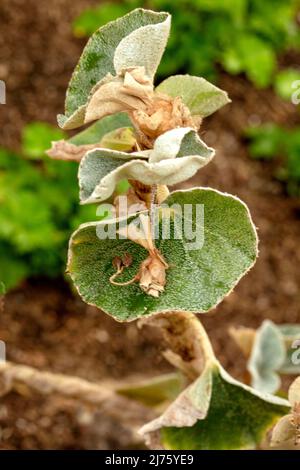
x: 198, y: 277
x: 201, y: 97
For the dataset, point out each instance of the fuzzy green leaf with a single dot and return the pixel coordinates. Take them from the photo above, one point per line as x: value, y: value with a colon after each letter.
x: 201, y: 97
x: 122, y: 140
x: 136, y: 39
x: 94, y: 133
x: 216, y: 411
x: 198, y: 278
x: 176, y: 156
x: 271, y: 350
x: 267, y: 356
x: 237, y: 418
x: 110, y: 132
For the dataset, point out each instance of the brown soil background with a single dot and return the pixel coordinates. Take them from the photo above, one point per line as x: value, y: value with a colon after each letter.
x: 46, y: 326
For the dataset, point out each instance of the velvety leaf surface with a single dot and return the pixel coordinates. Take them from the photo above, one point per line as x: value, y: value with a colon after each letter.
x: 267, y: 356
x: 215, y: 411
x: 116, y: 45
x: 95, y: 132
x: 236, y: 419
x: 176, y: 156
x: 100, y: 171
x: 200, y: 96
x: 198, y: 279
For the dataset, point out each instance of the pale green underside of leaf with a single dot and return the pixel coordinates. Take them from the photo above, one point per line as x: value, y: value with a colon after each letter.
x: 267, y: 356
x: 237, y: 418
x: 201, y: 97
x: 197, y: 280
x: 138, y: 38
x: 95, y: 132
x: 272, y: 354
x: 177, y: 156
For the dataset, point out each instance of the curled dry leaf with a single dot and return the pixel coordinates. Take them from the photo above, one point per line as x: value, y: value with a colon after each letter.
x: 121, y: 139
x: 115, y: 73
x: 177, y: 155
x: 151, y: 275
x: 151, y: 113
x: 137, y: 40
x: 152, y: 282
x: 63, y: 150
x: 161, y: 114
x: 130, y: 90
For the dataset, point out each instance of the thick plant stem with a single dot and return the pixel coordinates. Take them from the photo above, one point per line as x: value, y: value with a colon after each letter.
x: 190, y: 349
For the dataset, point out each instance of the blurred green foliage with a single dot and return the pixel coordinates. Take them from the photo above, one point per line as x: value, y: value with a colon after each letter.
x: 271, y: 141
x: 38, y: 207
x: 240, y: 35
x: 284, y: 82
